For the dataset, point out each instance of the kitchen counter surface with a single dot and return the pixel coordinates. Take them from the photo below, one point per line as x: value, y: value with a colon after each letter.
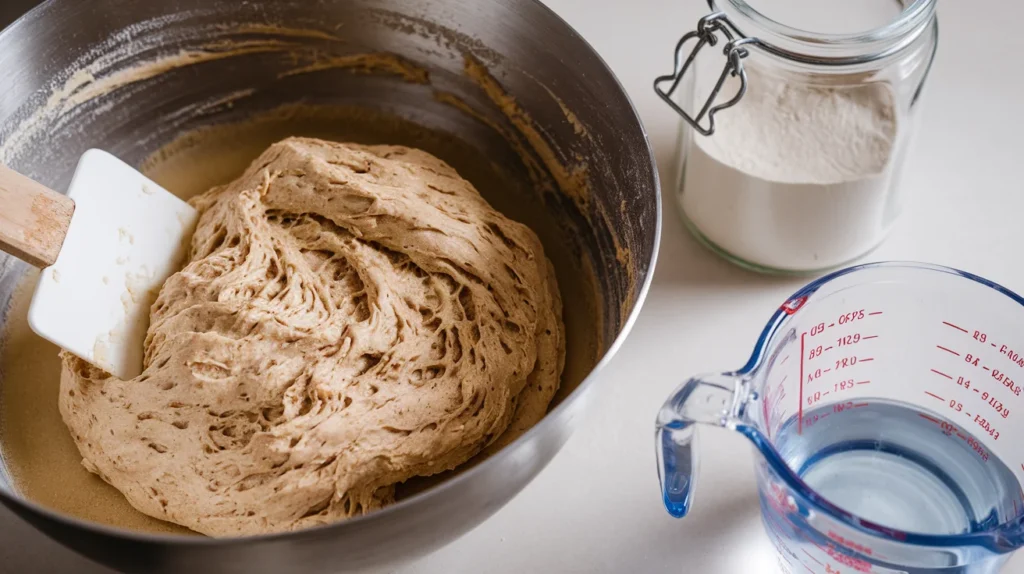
x: 596, y: 508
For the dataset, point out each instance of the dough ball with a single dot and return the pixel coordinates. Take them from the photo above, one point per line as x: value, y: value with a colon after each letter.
x: 350, y: 317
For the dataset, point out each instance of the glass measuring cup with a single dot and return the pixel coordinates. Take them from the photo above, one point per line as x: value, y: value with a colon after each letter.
x: 885, y: 403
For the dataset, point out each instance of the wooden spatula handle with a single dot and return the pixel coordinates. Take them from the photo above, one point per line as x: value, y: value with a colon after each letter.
x: 34, y: 219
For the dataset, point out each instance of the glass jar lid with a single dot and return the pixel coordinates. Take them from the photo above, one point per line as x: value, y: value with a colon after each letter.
x: 743, y: 28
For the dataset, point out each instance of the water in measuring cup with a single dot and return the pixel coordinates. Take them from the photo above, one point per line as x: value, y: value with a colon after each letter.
x: 901, y: 467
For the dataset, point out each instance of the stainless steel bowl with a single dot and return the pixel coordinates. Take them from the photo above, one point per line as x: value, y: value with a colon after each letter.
x: 535, y: 57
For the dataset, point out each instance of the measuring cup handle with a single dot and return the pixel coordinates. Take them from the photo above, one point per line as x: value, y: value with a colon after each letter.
x: 712, y: 400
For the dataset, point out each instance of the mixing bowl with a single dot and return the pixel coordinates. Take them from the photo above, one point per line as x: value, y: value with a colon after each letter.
x: 506, y: 79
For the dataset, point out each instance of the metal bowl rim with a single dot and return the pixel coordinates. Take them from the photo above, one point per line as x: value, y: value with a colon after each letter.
x: 413, y: 501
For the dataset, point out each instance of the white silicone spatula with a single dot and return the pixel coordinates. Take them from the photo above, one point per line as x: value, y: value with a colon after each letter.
x: 105, y: 248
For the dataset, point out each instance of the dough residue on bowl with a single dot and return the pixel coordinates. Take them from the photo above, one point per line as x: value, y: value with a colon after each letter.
x: 351, y: 317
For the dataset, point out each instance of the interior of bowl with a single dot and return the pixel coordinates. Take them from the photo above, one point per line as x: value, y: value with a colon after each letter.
x: 192, y: 95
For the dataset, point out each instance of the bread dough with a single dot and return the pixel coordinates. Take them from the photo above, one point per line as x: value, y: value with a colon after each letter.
x: 350, y: 317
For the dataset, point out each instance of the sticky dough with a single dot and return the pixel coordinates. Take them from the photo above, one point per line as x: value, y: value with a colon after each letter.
x: 351, y: 317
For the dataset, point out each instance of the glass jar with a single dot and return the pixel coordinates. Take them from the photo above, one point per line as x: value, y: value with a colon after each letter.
x: 792, y: 141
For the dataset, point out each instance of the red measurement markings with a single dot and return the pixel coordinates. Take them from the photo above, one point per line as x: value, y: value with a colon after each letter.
x: 784, y: 359
x: 974, y: 361
x: 865, y: 338
x: 812, y: 420
x: 828, y: 348
x: 982, y: 337
x: 850, y: 544
x: 840, y: 407
x: 800, y: 415
x: 934, y: 395
x: 977, y: 391
x: 845, y: 560
x: 845, y: 362
x: 957, y: 327
x: 814, y: 375
x: 997, y: 405
x: 863, y: 382
x: 851, y: 317
x: 952, y: 430
x: 977, y: 447
x: 843, y: 319
x: 1014, y: 356
x: 808, y: 568
x: 815, y: 352
x: 942, y: 374
x: 867, y: 360
x: 875, y: 313
x: 843, y: 385
x: 813, y: 398
x: 948, y: 350
x: 851, y: 339
x: 986, y: 425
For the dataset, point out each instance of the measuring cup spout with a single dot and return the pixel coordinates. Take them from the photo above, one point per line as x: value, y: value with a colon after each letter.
x: 711, y: 400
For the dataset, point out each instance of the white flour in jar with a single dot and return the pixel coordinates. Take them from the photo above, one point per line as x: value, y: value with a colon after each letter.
x: 795, y: 177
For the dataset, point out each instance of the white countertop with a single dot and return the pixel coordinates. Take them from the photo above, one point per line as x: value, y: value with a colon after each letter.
x: 597, y: 507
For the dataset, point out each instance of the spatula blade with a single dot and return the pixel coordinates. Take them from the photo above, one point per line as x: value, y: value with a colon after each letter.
x: 126, y: 237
